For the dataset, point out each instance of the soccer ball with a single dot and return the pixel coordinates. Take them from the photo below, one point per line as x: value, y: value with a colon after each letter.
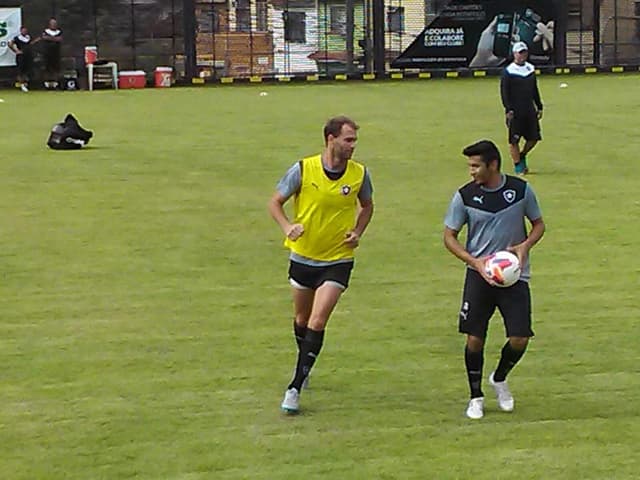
x: 503, y: 267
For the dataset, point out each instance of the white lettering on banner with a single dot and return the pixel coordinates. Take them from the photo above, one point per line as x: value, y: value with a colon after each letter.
x: 444, y: 37
x: 464, y: 12
x: 10, y: 21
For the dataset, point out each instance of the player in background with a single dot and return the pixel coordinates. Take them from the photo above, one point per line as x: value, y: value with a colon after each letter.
x: 22, y: 46
x: 522, y: 106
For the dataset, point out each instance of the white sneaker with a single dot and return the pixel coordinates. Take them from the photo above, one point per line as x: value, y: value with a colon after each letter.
x: 47, y: 85
x: 475, y: 409
x: 291, y: 402
x: 24, y: 88
x: 505, y: 399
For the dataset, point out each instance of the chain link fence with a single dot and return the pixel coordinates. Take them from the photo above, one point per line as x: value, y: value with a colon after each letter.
x: 138, y: 34
x: 619, y: 32
x: 289, y: 37
x: 243, y: 38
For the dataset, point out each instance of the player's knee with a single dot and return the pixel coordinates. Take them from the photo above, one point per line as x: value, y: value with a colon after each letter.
x: 518, y: 343
x: 475, y: 344
x: 317, y: 323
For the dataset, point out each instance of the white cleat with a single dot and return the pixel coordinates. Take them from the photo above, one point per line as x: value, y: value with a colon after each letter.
x: 24, y: 88
x: 475, y: 409
x: 505, y: 399
x: 291, y: 401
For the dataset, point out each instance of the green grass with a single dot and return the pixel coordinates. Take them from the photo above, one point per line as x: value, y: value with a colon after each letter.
x: 145, y: 324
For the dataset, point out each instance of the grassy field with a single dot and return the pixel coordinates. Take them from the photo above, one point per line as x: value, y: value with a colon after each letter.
x: 145, y: 317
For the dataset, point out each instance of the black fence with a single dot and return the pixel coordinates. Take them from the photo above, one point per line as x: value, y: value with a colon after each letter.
x: 137, y: 34
x: 214, y: 39
x: 603, y: 32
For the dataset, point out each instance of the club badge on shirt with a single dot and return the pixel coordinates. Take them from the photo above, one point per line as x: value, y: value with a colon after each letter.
x: 509, y: 195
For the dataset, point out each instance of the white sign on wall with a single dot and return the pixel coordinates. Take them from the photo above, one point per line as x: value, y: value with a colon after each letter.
x: 10, y: 22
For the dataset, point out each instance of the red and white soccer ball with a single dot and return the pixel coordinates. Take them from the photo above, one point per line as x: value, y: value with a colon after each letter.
x: 503, y: 267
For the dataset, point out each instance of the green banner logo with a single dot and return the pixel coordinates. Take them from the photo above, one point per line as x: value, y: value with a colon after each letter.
x: 3, y: 29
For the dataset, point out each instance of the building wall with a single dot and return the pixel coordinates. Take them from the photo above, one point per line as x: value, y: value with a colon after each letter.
x: 291, y: 57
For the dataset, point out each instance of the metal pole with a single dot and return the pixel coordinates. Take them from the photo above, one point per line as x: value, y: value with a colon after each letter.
x: 95, y: 22
x: 366, y: 40
x: 133, y: 33
x: 615, y: 31
x: 173, y: 34
x: 366, y: 47
x: 350, y: 31
x: 378, y: 39
x: 581, y: 37
x: 189, y: 14
x: 560, y: 46
x: 287, y: 43
x: 251, y: 45
x: 214, y: 21
x: 596, y: 32
x: 327, y: 25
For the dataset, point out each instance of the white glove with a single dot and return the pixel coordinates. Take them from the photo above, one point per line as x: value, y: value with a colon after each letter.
x: 544, y: 33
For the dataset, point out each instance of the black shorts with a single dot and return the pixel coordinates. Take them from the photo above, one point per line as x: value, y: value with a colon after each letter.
x: 524, y: 125
x: 52, y: 62
x: 24, y: 63
x: 312, y: 277
x: 479, y: 302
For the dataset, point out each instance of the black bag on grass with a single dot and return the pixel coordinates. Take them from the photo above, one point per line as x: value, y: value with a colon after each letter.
x: 68, y: 135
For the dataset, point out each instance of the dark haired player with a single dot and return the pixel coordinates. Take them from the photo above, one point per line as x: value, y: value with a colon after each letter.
x: 494, y: 207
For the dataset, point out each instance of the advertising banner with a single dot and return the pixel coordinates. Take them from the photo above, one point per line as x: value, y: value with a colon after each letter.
x: 10, y: 22
x: 480, y: 34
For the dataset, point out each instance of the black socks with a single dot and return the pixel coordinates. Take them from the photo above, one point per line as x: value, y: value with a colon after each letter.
x: 299, y: 332
x: 309, y: 350
x: 508, y: 360
x: 474, y: 361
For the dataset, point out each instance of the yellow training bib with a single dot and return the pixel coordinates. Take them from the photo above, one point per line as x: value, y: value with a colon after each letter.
x: 327, y: 210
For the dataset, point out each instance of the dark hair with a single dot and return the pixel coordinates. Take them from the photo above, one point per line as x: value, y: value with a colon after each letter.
x: 334, y: 126
x: 485, y: 149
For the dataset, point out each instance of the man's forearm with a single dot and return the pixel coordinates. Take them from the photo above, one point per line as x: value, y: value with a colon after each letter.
x: 536, y: 233
x: 277, y: 213
x: 363, y: 219
x: 456, y: 248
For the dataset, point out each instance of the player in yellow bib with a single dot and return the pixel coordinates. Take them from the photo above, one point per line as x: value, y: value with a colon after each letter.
x: 333, y: 204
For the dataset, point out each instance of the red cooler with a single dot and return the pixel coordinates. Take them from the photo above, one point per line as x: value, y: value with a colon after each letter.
x: 163, y: 76
x: 90, y: 55
x: 132, y: 79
